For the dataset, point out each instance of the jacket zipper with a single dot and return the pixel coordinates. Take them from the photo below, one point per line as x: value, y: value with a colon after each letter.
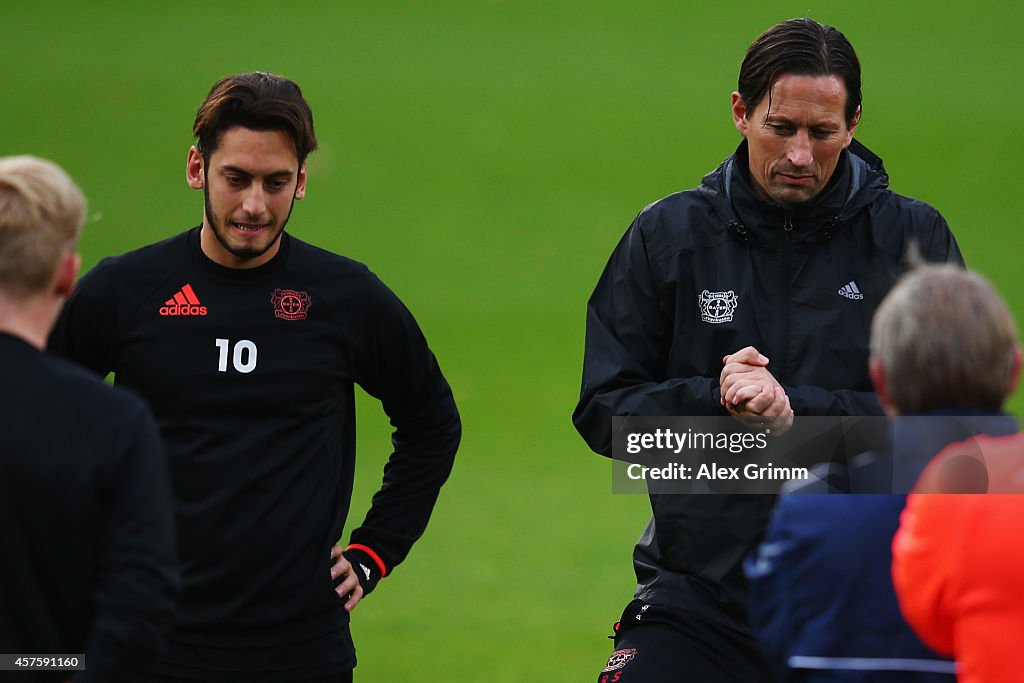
x: 787, y: 228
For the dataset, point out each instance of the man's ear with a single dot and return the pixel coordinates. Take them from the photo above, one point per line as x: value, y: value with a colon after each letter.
x: 1014, y: 372
x: 195, y: 169
x: 739, y: 114
x: 67, y: 272
x: 300, y: 186
x: 852, y: 128
x: 877, y: 375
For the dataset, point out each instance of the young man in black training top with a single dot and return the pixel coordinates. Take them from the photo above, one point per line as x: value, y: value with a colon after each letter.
x: 247, y: 343
x: 750, y: 296
x: 86, y: 522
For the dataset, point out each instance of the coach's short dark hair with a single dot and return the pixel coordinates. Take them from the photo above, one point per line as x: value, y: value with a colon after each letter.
x: 258, y: 101
x: 803, y: 47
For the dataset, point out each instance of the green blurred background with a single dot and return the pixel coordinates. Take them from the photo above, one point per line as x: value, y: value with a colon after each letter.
x: 484, y: 158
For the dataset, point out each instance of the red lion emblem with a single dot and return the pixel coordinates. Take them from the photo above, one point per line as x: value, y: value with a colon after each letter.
x: 290, y: 304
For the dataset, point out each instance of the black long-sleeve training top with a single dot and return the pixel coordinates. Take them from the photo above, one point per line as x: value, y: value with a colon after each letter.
x: 250, y: 373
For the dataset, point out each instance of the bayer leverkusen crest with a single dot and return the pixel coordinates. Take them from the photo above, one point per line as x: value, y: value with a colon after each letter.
x: 619, y: 659
x: 717, y: 307
x: 290, y: 304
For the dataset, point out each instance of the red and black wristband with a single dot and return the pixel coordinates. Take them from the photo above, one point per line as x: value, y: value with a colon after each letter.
x: 368, y: 565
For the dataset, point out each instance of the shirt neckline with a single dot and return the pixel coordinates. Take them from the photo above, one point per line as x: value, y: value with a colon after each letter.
x: 237, y: 274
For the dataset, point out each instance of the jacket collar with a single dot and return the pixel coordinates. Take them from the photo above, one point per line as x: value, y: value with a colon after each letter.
x: 858, y: 178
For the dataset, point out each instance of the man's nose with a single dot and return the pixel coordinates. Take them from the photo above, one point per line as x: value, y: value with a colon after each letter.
x: 255, y: 202
x: 799, y: 153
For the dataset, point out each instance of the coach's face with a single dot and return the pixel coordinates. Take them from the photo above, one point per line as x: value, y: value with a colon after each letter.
x: 795, y: 146
x: 250, y: 183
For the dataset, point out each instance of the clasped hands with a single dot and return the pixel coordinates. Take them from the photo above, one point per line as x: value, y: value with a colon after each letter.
x: 750, y: 392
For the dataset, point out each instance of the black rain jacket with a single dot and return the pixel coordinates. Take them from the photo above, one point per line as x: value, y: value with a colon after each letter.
x: 703, y: 273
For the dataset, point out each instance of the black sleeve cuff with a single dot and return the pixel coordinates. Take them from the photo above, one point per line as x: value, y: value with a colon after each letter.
x: 365, y: 568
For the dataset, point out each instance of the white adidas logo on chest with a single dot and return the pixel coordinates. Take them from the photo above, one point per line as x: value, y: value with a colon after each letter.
x: 851, y: 291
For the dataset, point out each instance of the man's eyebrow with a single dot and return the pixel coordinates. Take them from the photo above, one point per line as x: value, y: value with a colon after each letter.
x: 774, y: 118
x: 284, y: 173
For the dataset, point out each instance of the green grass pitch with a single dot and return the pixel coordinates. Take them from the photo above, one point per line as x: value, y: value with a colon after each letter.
x: 484, y: 158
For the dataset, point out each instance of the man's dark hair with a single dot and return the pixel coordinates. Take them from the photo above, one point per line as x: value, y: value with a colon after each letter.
x: 258, y: 101
x: 803, y: 47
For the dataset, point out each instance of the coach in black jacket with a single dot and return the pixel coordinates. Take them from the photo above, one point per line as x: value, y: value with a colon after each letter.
x: 751, y: 295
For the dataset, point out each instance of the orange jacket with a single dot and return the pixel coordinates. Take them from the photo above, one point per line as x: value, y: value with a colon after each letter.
x: 958, y: 560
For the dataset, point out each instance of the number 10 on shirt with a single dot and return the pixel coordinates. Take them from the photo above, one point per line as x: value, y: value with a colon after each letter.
x: 243, y: 358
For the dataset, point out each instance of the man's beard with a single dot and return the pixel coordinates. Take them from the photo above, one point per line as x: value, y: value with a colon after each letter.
x: 218, y: 230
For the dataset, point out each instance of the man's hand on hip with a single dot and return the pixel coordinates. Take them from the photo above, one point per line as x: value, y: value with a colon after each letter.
x: 350, y: 589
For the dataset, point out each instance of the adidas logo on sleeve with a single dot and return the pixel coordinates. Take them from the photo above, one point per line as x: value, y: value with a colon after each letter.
x: 851, y: 291
x: 184, y: 302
